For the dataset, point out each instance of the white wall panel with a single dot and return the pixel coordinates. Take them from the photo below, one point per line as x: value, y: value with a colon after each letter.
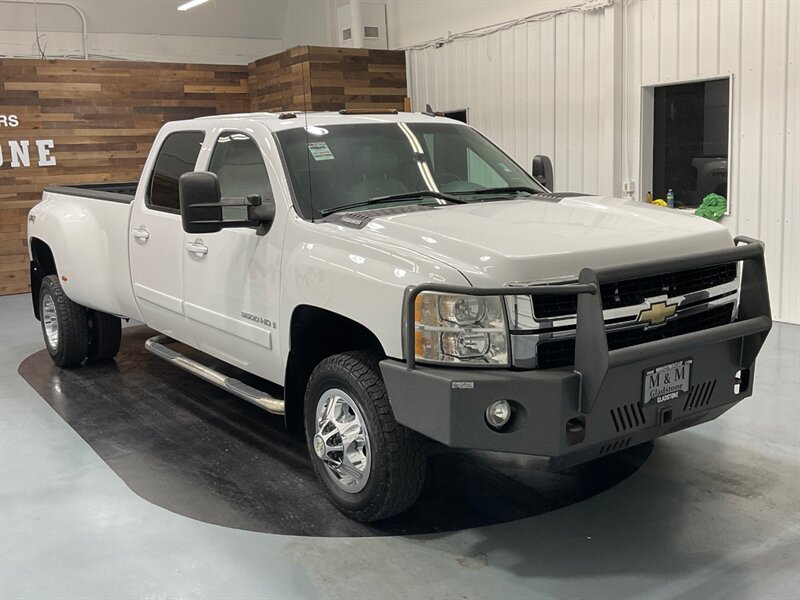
x: 143, y: 46
x: 755, y: 42
x: 790, y: 259
x: 536, y: 88
x: 571, y: 87
x: 223, y: 31
x: 708, y: 37
x: 413, y: 22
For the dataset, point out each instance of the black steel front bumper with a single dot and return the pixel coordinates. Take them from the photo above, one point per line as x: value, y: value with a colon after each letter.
x: 597, y: 407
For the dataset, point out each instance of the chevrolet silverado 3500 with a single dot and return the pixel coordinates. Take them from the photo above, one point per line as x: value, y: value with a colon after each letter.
x: 398, y: 277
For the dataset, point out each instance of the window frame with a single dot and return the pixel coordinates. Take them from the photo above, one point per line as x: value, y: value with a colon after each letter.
x: 646, y: 125
x: 148, y: 204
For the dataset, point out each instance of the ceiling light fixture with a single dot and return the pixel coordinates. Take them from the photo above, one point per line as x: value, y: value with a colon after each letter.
x: 191, y: 4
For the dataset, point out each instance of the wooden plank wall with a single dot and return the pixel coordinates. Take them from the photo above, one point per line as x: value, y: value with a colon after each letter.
x: 281, y: 81
x: 103, y: 115
x: 320, y: 78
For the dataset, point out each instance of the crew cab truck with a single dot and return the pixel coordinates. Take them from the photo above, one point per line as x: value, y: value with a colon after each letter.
x: 399, y: 278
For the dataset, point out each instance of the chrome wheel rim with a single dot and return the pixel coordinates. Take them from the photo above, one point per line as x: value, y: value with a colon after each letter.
x: 50, y: 321
x: 341, y: 441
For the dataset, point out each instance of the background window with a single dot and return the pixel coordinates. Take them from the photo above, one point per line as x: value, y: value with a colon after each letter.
x: 690, y: 141
x: 458, y: 115
x: 178, y: 155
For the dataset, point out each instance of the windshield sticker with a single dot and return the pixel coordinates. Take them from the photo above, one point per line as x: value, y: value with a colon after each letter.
x: 320, y: 151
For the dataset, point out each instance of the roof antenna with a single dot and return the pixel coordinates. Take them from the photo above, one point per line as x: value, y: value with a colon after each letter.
x: 305, y: 129
x: 432, y: 113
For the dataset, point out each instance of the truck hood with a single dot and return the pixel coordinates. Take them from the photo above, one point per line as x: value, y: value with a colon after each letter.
x: 498, y: 242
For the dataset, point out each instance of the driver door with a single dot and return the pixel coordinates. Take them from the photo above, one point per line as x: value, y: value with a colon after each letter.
x: 232, y: 277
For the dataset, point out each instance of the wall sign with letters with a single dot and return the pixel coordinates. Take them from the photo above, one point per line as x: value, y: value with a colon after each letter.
x: 18, y: 153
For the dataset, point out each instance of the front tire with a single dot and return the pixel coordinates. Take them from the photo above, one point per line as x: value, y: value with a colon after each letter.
x: 64, y: 324
x: 372, y: 467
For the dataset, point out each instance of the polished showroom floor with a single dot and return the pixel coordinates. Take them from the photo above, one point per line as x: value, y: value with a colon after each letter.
x: 712, y: 512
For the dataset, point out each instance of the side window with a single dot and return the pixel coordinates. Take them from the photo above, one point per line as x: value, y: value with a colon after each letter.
x: 238, y: 164
x: 178, y: 155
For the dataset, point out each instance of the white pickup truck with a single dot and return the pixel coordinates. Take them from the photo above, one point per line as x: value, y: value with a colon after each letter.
x: 400, y: 278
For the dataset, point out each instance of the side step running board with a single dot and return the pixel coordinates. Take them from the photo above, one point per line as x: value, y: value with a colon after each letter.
x: 157, y: 345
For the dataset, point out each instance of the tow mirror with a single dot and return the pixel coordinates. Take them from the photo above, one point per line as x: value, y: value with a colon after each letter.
x: 201, y: 211
x: 202, y: 207
x: 542, y: 171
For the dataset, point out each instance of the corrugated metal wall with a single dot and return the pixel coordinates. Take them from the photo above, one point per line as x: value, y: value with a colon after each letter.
x: 757, y: 43
x: 534, y: 89
x: 571, y: 87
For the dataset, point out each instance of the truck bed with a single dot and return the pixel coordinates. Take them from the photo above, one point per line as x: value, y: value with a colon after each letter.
x: 86, y: 227
x: 111, y: 192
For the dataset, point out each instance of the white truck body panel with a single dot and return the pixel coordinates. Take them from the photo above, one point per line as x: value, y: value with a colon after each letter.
x: 89, y: 240
x: 357, y: 273
x: 354, y: 274
x: 504, y: 241
x: 400, y: 282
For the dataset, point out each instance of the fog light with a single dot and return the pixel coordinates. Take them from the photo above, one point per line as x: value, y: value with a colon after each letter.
x: 498, y: 414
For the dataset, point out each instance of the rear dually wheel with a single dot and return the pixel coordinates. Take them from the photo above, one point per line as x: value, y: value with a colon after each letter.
x: 64, y: 324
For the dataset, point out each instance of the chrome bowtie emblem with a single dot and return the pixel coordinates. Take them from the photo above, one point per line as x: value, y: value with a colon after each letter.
x: 657, y: 313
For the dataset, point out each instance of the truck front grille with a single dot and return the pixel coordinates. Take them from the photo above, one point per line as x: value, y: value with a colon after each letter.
x: 561, y: 352
x: 618, y: 294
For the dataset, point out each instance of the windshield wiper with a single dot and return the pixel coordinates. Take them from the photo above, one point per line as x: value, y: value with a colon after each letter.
x: 394, y: 198
x: 501, y: 190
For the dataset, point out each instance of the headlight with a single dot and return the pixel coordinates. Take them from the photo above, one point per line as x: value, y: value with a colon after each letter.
x: 454, y: 328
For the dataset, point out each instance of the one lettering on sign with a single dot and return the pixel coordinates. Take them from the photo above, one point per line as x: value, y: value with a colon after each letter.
x: 18, y: 152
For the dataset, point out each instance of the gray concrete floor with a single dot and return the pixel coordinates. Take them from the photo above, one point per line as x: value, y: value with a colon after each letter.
x: 713, y: 513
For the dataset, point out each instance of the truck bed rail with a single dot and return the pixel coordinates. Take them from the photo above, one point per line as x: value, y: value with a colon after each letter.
x: 123, y: 192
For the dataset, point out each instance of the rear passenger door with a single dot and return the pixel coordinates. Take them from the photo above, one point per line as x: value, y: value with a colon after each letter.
x: 232, y: 280
x: 156, y: 244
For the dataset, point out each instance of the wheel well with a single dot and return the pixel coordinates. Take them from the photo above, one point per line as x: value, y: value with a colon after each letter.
x: 315, y: 334
x: 42, y: 265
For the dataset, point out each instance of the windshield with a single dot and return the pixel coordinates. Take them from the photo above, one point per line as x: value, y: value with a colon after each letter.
x: 344, y: 165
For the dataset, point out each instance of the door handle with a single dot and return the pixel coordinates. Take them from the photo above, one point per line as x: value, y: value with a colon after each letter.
x: 140, y: 233
x: 198, y: 248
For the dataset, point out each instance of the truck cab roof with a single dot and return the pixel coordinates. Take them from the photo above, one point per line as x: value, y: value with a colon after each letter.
x: 296, y: 119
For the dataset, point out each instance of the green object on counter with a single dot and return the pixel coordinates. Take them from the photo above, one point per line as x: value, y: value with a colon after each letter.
x: 712, y: 207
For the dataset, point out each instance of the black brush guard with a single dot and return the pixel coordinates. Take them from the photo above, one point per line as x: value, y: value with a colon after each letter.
x: 447, y: 403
